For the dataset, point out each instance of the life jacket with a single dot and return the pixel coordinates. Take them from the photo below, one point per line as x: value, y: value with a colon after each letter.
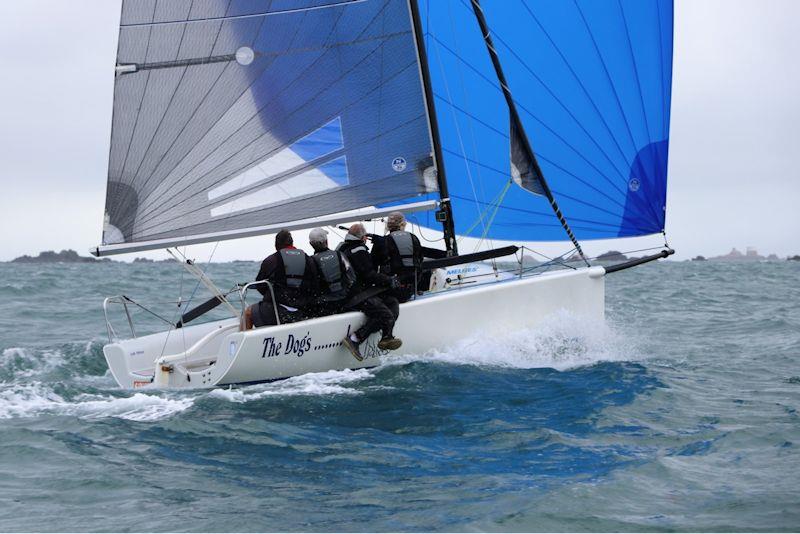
x: 400, y: 247
x: 290, y: 277
x: 335, y: 270
x: 294, y: 266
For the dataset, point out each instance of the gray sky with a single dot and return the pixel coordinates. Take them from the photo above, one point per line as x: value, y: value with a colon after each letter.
x: 735, y: 135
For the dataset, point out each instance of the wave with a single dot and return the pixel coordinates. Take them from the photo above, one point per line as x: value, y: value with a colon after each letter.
x: 562, y: 341
x: 326, y: 383
x: 19, y: 363
x: 35, y: 399
x: 71, y: 360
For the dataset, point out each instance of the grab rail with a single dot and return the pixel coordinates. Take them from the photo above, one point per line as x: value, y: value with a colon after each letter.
x: 243, y: 292
x: 125, y: 300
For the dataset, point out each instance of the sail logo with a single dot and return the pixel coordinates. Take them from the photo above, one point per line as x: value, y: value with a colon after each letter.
x: 634, y: 184
x: 399, y: 164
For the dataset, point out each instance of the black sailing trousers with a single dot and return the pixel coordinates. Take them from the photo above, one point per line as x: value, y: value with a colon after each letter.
x: 381, y: 311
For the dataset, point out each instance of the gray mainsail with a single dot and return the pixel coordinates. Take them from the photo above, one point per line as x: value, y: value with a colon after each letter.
x: 233, y: 115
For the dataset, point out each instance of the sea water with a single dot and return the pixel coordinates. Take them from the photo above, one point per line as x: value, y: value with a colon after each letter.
x: 680, y: 412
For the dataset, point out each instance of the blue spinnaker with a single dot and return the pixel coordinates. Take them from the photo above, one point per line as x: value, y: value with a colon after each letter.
x: 591, y: 80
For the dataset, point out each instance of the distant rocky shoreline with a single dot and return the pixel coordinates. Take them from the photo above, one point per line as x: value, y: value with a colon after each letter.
x: 65, y: 256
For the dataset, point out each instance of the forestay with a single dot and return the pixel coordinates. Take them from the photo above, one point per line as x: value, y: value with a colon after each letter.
x: 591, y: 80
x: 232, y: 114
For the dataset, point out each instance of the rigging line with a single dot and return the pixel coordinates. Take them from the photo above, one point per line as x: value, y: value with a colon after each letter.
x: 495, y: 202
x: 632, y: 251
x: 151, y: 215
x: 465, y: 96
x: 252, y: 15
x: 174, y: 92
x: 216, y: 121
x: 200, y: 272
x: 258, y: 111
x: 419, y: 229
x: 524, y: 248
x: 496, y: 209
x: 174, y: 317
x: 612, y: 234
x: 180, y: 301
x: 614, y: 91
x: 458, y: 127
x: 546, y: 127
x: 557, y: 99
x: 141, y: 100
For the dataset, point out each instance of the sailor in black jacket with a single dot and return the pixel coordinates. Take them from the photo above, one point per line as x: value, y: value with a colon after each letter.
x: 370, y: 295
x: 294, y: 281
x: 336, y: 276
x: 402, y: 256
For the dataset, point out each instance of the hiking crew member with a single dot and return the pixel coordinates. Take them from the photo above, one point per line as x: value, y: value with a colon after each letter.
x: 381, y: 308
x: 294, y: 281
x: 403, y: 256
x: 335, y: 275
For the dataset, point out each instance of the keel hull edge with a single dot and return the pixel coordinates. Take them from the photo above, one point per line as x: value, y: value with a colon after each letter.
x: 217, y: 354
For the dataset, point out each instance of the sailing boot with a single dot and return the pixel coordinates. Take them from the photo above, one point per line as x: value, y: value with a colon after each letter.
x: 353, y: 346
x: 389, y: 343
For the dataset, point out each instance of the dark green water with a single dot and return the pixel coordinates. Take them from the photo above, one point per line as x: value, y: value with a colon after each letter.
x: 681, y: 413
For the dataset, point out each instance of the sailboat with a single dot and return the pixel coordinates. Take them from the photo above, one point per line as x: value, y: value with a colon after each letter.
x: 502, y: 120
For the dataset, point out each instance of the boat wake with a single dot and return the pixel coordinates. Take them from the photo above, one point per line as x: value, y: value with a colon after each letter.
x: 562, y: 341
x: 327, y: 383
x: 37, y: 399
x: 64, y: 383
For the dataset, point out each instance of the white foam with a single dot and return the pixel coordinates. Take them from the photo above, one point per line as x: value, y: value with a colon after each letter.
x: 30, y: 400
x: 561, y: 342
x: 23, y: 363
x: 327, y: 383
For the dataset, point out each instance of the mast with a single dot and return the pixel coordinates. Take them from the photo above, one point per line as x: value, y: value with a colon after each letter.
x: 517, y: 125
x: 445, y: 213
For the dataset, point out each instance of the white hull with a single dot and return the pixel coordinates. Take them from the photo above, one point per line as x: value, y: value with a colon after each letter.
x: 216, y: 354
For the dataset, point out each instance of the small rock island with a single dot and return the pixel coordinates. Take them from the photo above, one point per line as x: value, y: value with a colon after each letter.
x: 65, y: 256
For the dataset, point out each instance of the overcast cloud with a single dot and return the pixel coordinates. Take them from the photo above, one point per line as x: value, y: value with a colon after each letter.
x: 733, y: 181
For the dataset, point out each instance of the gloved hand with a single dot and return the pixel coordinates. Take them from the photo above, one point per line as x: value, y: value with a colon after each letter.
x: 394, y: 282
